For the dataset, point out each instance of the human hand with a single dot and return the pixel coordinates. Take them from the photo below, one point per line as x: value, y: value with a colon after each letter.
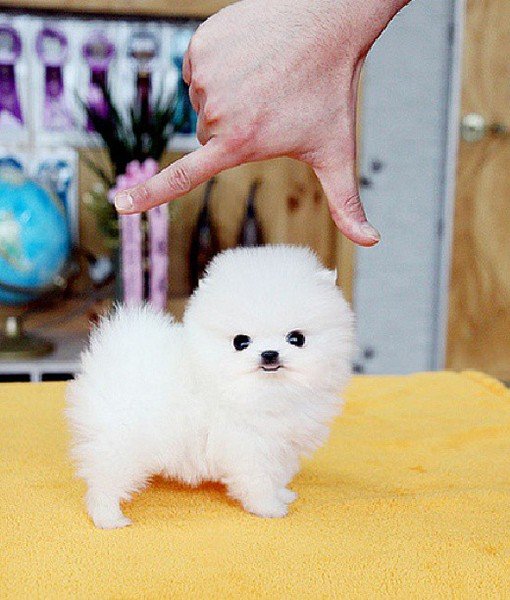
x: 273, y: 78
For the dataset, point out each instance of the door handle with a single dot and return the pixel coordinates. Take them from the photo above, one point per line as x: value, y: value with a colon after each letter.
x: 474, y: 127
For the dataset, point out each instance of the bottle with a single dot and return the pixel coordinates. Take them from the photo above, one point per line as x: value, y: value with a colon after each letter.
x: 251, y: 232
x: 204, y: 242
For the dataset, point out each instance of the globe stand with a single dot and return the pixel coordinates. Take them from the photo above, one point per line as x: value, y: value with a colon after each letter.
x: 16, y: 345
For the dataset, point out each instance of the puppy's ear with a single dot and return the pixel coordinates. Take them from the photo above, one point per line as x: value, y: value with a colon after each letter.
x: 327, y: 275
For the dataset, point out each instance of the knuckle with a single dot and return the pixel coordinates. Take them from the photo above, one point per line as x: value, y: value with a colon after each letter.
x: 195, y: 46
x: 186, y: 69
x: 178, y: 180
x: 210, y: 113
x: 197, y: 85
x: 195, y: 103
x: 194, y: 99
x: 142, y: 195
x: 203, y: 135
x: 352, y: 205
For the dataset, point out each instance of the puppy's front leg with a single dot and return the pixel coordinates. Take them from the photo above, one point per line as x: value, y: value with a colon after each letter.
x: 258, y: 494
x: 286, y: 495
x: 105, y: 511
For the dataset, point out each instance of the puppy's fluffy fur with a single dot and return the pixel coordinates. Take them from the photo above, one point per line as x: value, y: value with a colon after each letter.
x: 157, y: 397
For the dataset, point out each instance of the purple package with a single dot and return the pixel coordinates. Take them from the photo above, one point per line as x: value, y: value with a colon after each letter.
x: 52, y: 50
x: 98, y: 52
x: 10, y: 51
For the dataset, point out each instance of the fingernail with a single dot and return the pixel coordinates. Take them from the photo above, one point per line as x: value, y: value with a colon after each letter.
x: 370, y: 231
x: 124, y: 201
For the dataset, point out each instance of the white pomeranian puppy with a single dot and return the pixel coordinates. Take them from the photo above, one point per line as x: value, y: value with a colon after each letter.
x: 236, y: 394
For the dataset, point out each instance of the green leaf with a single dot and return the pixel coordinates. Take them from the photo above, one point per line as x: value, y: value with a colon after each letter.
x: 136, y: 135
x: 108, y: 180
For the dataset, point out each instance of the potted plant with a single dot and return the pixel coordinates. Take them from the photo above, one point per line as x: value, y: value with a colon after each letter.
x: 135, y: 141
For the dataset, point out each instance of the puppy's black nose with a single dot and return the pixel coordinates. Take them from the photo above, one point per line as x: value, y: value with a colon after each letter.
x: 269, y: 357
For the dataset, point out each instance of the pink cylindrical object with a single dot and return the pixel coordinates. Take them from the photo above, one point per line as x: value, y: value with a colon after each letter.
x: 131, y: 259
x: 158, y: 256
x: 132, y: 241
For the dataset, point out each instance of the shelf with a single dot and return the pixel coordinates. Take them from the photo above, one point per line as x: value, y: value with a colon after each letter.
x: 157, y: 8
x: 183, y: 143
x: 67, y: 325
x: 62, y: 363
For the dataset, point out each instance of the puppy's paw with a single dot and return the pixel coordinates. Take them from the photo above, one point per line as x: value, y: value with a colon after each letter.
x: 106, y: 514
x: 272, y: 509
x: 287, y: 496
x: 110, y: 521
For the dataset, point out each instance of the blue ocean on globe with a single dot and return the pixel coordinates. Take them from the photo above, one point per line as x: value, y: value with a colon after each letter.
x: 34, y: 236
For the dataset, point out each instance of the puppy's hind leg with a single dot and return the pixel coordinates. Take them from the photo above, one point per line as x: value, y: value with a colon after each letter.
x: 257, y: 494
x: 108, y: 484
x: 104, y: 509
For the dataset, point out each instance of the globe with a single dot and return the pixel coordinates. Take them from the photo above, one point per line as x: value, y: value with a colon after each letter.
x: 34, y: 237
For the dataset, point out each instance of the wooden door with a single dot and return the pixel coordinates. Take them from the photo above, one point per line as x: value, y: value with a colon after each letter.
x: 479, y: 311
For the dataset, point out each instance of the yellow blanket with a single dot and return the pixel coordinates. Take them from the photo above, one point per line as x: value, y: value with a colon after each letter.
x: 409, y: 499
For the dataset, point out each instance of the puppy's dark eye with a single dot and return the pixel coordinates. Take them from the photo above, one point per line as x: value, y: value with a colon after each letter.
x: 241, y: 342
x: 296, y: 338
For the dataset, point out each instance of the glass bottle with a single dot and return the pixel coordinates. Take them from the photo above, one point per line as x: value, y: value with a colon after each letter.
x: 204, y: 241
x: 251, y: 231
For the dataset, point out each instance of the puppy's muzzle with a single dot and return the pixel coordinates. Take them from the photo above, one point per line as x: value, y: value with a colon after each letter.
x: 270, y: 360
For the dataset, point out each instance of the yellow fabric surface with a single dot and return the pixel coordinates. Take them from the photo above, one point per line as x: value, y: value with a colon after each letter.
x: 409, y: 499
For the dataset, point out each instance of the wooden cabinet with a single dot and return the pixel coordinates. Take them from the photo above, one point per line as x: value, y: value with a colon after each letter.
x: 291, y: 206
x: 157, y: 8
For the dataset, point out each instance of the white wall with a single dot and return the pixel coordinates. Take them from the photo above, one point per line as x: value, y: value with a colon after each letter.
x: 405, y: 127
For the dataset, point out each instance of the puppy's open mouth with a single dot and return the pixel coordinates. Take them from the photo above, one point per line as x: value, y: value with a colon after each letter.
x: 270, y: 368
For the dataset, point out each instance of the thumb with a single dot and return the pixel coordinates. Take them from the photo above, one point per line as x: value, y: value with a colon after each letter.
x: 176, y: 180
x: 337, y: 174
x: 345, y: 206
